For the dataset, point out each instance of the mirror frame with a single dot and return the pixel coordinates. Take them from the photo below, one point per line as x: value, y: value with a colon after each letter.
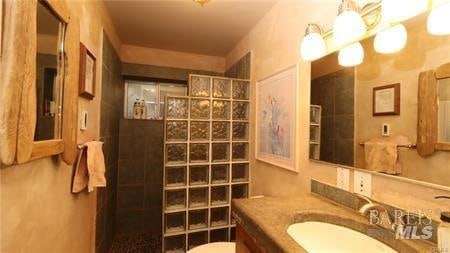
x: 18, y: 85
x: 427, y: 118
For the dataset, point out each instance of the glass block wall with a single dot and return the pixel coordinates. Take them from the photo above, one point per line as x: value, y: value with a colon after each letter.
x: 206, y: 161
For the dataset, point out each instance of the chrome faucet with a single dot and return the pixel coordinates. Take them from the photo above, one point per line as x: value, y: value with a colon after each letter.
x: 376, y: 213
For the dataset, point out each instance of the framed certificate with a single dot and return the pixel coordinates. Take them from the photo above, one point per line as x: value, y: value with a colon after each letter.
x: 386, y: 100
x: 87, y: 73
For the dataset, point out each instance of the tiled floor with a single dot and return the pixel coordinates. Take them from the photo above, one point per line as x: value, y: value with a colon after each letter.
x: 141, y: 243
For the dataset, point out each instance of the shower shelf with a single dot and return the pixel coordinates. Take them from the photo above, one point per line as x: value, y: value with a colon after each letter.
x: 210, y: 173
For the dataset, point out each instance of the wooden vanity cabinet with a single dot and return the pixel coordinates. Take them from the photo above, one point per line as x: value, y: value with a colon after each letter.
x: 245, y: 243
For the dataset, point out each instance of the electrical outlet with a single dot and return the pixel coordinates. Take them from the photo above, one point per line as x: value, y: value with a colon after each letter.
x: 343, y: 178
x: 362, y: 183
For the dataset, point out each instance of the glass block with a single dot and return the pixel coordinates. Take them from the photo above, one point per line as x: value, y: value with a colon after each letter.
x: 221, y: 110
x: 175, y: 199
x: 239, y: 172
x: 218, y: 235
x: 240, y: 89
x: 198, y: 219
x: 200, y: 109
x: 198, y: 175
x: 200, y: 130
x: 239, y: 191
x: 232, y: 234
x: 175, y: 176
x: 176, y: 130
x: 314, y: 134
x: 197, y: 239
x: 198, y: 197
x: 220, y: 152
x: 219, y: 173
x: 240, y: 131
x: 177, y: 108
x: 240, y: 110
x: 174, y: 222
x: 198, y: 152
x: 220, y: 131
x: 176, y: 153
x: 221, y: 88
x: 175, y: 244
x: 240, y: 151
x: 219, y: 195
x: 200, y: 86
x: 219, y: 217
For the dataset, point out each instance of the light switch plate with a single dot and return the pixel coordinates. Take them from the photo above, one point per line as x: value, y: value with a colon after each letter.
x: 343, y: 178
x: 386, y: 130
x: 362, y: 183
x: 84, y: 120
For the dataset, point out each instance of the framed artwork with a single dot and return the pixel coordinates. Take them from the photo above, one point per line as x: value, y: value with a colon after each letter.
x: 87, y: 73
x: 276, y: 120
x: 386, y: 100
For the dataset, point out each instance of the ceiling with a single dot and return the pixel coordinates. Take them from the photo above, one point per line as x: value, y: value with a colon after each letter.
x: 185, y: 26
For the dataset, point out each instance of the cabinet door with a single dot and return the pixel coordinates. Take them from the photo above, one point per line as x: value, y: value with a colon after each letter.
x: 245, y: 243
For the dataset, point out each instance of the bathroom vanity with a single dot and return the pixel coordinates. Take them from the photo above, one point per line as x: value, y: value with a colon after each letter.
x: 262, y: 225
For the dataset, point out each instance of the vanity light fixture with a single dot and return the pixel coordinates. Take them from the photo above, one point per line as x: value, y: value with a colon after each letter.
x: 313, y: 45
x: 438, y: 22
x: 391, y: 40
x: 348, y: 25
x: 400, y: 10
x: 351, y: 55
x: 201, y: 2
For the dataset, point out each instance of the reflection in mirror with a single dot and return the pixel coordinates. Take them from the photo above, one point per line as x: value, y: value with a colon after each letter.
x: 48, y: 73
x: 345, y: 130
x: 444, y: 110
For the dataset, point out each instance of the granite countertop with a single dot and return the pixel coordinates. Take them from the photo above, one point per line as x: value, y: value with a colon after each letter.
x: 266, y: 220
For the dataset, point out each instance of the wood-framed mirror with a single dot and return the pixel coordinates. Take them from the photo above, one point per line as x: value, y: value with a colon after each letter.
x: 39, y: 80
x: 433, y: 127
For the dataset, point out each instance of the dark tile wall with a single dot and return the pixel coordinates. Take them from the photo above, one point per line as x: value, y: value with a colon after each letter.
x: 241, y: 69
x: 335, y: 93
x: 140, y: 178
x: 158, y: 72
x: 111, y: 111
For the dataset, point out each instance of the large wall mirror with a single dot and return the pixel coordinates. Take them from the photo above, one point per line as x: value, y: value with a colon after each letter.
x: 367, y: 116
x: 49, y: 73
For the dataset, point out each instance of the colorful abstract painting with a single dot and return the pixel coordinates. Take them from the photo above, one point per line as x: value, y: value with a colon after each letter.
x: 276, y: 120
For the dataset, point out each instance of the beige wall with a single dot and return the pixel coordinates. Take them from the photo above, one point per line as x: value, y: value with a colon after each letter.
x: 275, y: 43
x: 174, y: 59
x: 422, y: 52
x: 38, y: 212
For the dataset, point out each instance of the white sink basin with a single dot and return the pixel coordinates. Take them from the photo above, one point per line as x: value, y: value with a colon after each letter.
x: 318, y: 237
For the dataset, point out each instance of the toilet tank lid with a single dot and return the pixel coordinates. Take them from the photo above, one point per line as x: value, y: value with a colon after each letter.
x: 216, y: 247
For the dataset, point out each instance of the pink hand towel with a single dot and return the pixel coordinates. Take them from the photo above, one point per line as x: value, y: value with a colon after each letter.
x: 381, y: 154
x: 90, y: 170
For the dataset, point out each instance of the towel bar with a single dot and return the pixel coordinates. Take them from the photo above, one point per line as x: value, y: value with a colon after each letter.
x: 412, y: 146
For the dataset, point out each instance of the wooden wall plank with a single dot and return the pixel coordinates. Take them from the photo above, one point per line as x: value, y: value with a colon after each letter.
x: 70, y: 101
x: 27, y: 114
x: 18, y: 73
x: 427, y: 117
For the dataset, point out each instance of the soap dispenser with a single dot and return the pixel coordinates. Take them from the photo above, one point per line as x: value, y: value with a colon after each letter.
x: 444, y: 230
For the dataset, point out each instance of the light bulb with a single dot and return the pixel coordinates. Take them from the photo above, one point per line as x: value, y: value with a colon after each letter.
x: 348, y: 25
x: 399, y: 10
x: 391, y: 40
x: 351, y: 55
x: 438, y: 22
x: 313, y: 46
